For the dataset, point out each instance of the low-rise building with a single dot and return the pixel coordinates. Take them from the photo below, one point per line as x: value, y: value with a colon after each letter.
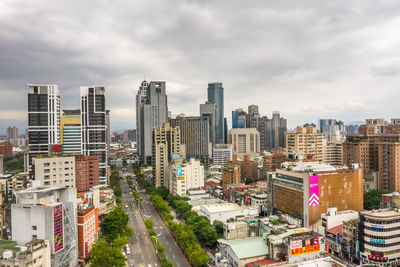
x: 231, y: 175
x: 333, y: 217
x: 88, y: 230
x: 226, y: 211
x: 6, y: 149
x: 35, y: 253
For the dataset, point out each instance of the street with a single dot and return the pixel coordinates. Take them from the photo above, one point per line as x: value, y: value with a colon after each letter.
x: 142, y: 250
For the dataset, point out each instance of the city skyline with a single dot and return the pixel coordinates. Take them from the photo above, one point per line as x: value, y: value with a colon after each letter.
x: 278, y: 56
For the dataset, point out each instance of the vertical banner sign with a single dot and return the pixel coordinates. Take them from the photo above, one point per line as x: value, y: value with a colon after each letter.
x: 179, y: 171
x: 58, y: 228
x: 313, y: 191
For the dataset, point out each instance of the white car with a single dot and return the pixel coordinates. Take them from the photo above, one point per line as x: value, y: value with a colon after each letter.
x: 128, y: 250
x: 126, y: 206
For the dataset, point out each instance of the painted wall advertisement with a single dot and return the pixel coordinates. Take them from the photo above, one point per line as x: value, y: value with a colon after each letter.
x: 313, y: 191
x: 296, y: 244
x: 58, y: 228
x: 305, y: 250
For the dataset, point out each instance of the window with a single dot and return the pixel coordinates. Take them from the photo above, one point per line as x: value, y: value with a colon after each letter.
x: 34, y: 227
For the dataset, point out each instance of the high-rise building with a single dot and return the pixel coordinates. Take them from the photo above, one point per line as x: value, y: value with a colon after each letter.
x: 195, y: 136
x: 307, y: 142
x: 244, y: 141
x: 12, y: 132
x: 333, y: 153
x: 166, y: 144
x: 48, y: 213
x: 93, y: 126
x: 376, y: 152
x: 88, y: 230
x: 325, y: 122
x: 225, y: 130
x: 43, y: 119
x: 276, y: 131
x: 253, y: 111
x: 379, y: 124
x: 209, y: 111
x: 70, y: 131
x: 222, y: 154
x: 239, y: 118
x: 262, y: 124
x: 108, y: 135
x: 272, y: 161
x: 215, y: 93
x: 151, y: 112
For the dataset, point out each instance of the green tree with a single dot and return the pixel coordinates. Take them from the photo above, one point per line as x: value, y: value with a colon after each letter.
x: 219, y: 228
x: 105, y: 254
x: 115, y: 225
x: 163, y: 192
x: 149, y: 224
x: 198, y: 256
x: 373, y: 198
x: 124, y: 163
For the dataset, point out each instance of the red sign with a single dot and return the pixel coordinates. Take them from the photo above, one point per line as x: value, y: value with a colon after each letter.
x: 305, y: 250
x: 56, y: 148
x: 308, y: 243
x: 316, y: 242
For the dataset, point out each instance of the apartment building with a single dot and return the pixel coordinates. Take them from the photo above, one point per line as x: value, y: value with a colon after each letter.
x: 306, y: 141
x: 88, y: 230
x: 55, y: 171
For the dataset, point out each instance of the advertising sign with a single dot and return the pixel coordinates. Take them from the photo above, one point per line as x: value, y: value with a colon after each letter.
x: 305, y: 250
x: 296, y: 244
x: 55, y: 150
x: 58, y: 228
x: 179, y: 171
x: 307, y: 243
x: 175, y: 156
x: 313, y: 191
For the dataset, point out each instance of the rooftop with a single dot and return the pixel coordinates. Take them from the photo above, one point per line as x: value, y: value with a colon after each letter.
x: 248, y: 247
x: 223, y: 207
x: 8, y: 244
x: 385, y: 213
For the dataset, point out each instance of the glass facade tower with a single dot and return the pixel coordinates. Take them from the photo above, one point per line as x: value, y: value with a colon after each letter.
x: 215, y: 94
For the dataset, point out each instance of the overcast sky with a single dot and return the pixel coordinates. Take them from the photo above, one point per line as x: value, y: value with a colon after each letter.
x: 308, y: 59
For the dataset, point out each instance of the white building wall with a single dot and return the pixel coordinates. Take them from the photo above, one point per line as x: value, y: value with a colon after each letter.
x: 57, y: 171
x: 194, y: 172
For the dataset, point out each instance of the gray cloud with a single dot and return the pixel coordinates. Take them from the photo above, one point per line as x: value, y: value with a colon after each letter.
x: 308, y: 59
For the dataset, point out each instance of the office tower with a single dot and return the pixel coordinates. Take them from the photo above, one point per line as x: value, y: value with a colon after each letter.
x: 12, y: 132
x: 151, y: 112
x: 244, y: 141
x: 253, y: 111
x: 352, y: 129
x: 307, y: 190
x: 93, y: 125
x: 195, y: 136
x: 325, y: 122
x: 55, y: 171
x: 43, y: 119
x: 215, y: 93
x: 307, y: 142
x: 276, y: 131
x: 86, y: 172
x: 108, y: 135
x: 209, y: 110
x: 166, y: 144
x: 128, y: 136
x: 377, y: 152
x: 1, y: 164
x: 222, y: 154
x: 239, y: 118
x: 88, y: 229
x: 225, y: 130
x: 262, y: 124
x: 47, y: 213
x: 70, y: 131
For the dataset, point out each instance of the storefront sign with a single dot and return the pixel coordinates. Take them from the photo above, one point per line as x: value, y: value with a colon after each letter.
x: 296, y: 244
x: 305, y: 250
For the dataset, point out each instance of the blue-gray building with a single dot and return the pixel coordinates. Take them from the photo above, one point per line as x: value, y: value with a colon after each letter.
x: 215, y: 93
x: 238, y: 119
x: 326, y: 122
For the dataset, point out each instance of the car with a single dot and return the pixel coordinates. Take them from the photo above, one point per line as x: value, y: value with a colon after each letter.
x: 126, y: 206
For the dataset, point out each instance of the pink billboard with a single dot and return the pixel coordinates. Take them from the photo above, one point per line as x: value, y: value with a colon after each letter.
x: 313, y: 191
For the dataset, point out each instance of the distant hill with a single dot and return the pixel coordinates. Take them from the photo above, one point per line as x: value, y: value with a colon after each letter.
x: 356, y: 123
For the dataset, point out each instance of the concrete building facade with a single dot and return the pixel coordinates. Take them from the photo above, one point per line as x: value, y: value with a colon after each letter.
x: 55, y: 171
x: 88, y: 230
x: 306, y: 141
x: 86, y: 172
x: 244, y: 141
x: 222, y: 154
x: 70, y: 132
x: 48, y: 213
